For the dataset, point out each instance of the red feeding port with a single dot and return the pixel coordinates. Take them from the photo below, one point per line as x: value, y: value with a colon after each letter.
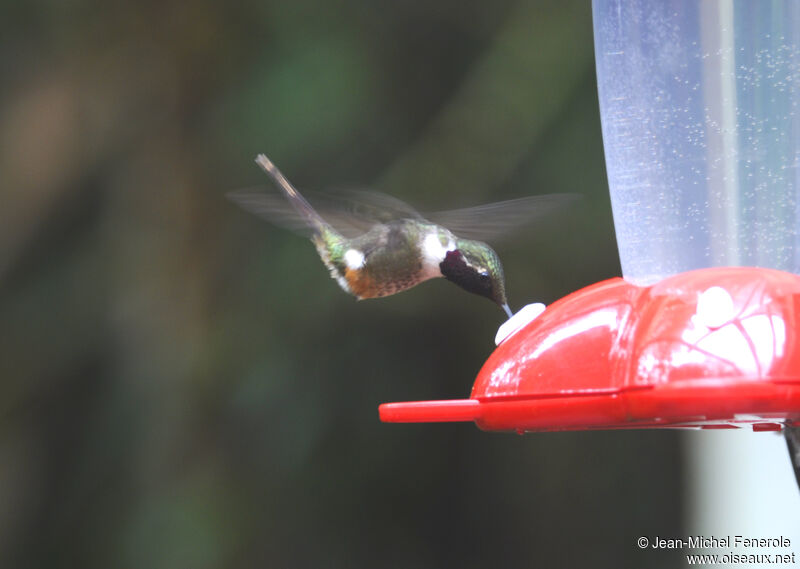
x: 712, y: 348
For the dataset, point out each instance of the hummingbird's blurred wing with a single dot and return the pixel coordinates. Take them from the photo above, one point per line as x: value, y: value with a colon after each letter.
x: 351, y: 212
x: 371, y: 206
x: 272, y: 207
x: 354, y: 212
x: 493, y: 221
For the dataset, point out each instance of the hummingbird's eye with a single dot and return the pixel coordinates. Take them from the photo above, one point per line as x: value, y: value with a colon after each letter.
x: 484, y: 275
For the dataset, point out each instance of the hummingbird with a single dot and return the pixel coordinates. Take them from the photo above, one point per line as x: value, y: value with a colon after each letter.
x: 390, y: 247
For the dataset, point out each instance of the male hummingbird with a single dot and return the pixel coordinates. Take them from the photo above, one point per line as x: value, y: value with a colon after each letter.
x: 396, y: 248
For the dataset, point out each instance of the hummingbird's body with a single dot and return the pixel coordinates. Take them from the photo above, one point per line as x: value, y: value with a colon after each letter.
x: 396, y: 252
x: 389, y: 258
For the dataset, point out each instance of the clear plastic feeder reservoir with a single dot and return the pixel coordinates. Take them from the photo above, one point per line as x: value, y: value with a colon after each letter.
x: 699, y: 108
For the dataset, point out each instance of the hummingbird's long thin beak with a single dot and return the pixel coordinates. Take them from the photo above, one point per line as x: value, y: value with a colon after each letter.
x: 507, y: 309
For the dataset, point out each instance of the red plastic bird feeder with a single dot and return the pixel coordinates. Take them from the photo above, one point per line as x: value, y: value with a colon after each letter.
x: 712, y: 348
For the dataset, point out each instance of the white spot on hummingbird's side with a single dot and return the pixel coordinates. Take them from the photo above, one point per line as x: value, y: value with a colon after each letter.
x: 434, y: 252
x: 354, y: 259
x: 514, y: 324
x: 432, y: 247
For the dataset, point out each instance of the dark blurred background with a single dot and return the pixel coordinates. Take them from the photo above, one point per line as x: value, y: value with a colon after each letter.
x: 183, y: 386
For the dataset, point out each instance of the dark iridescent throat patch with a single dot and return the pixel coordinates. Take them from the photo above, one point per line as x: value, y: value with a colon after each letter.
x: 455, y: 269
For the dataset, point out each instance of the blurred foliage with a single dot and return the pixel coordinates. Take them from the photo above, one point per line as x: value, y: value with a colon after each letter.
x: 183, y: 386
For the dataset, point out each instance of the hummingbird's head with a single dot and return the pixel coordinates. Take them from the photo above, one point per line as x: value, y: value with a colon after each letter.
x: 475, y: 267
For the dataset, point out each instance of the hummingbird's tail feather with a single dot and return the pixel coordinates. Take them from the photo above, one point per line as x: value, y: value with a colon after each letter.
x: 299, y: 203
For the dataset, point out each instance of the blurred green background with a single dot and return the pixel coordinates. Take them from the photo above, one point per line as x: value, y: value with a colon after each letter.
x: 183, y: 386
